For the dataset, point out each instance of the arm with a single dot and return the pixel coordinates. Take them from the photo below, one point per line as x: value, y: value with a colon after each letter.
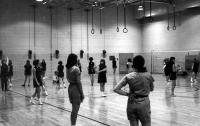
x: 78, y: 80
x: 119, y: 86
x: 102, y: 70
x: 151, y: 86
x: 34, y: 76
x: 174, y: 68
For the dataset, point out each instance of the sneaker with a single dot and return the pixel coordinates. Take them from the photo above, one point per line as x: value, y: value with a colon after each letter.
x: 46, y: 93
x: 40, y: 102
x: 31, y: 101
x: 23, y: 85
x: 10, y: 85
x: 173, y: 95
x: 64, y: 85
x: 103, y: 94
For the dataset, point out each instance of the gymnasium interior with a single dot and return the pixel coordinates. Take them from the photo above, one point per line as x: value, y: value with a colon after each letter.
x: 102, y: 29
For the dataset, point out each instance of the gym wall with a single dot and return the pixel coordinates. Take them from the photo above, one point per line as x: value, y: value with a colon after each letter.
x: 17, y: 34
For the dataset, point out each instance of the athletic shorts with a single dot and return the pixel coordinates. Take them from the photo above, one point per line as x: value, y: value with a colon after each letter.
x: 139, y: 109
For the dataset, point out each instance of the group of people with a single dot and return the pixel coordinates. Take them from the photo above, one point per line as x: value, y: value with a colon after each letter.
x: 6, y: 73
x: 138, y: 107
x: 171, y: 70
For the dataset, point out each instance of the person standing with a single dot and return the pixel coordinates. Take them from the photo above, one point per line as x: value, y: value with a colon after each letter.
x: 140, y: 83
x: 114, y: 65
x: 44, y: 67
x: 102, y: 79
x: 195, y: 69
x: 60, y: 71
x: 75, y: 90
x: 172, y: 75
x: 91, y: 70
x: 27, y: 73
x: 37, y: 81
x: 4, y: 76
x: 129, y: 66
x: 166, y: 69
x: 79, y: 65
x: 10, y: 72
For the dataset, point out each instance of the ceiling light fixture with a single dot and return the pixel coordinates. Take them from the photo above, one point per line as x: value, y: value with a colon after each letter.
x: 39, y: 0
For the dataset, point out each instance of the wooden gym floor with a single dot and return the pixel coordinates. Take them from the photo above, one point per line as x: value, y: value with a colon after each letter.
x: 183, y: 110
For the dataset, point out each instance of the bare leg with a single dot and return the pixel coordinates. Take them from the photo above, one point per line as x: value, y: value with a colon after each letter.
x: 173, y: 87
x: 92, y: 79
x: 102, y: 89
x: 63, y: 82
x: 133, y: 122
x: 29, y: 80
x: 75, y: 109
x: 24, y: 81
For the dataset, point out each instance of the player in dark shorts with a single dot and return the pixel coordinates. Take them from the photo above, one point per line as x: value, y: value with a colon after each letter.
x: 166, y: 69
x: 172, y: 75
x: 60, y: 71
x: 37, y: 81
x: 27, y: 73
x: 10, y: 72
x: 114, y: 66
x: 91, y: 70
x: 102, y: 79
x: 44, y: 67
x: 195, y: 69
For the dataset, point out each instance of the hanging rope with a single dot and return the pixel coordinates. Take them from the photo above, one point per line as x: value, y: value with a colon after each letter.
x: 144, y: 10
x: 92, y: 31
x: 150, y: 18
x: 100, y: 22
x: 29, y: 25
x: 168, y: 17
x: 87, y: 11
x: 70, y: 14
x: 51, y: 39
x: 125, y: 30
x: 174, y: 27
x: 34, y: 18
x: 57, y: 24
x: 81, y: 26
x: 117, y: 18
x: 104, y: 29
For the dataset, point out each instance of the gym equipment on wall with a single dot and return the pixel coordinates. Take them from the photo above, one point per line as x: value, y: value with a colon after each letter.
x: 57, y: 54
x: 104, y: 53
x: 100, y: 21
x: 29, y: 54
x: 168, y: 17
x: 125, y: 30
x: 1, y: 54
x: 144, y: 10
x: 70, y: 14
x: 87, y: 11
x: 117, y: 18
x: 174, y: 27
x: 34, y: 18
x: 81, y: 53
x: 92, y: 31
x: 150, y: 17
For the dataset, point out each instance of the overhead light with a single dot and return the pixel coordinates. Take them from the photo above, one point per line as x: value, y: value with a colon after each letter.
x: 45, y: 2
x: 140, y: 8
x: 39, y: 0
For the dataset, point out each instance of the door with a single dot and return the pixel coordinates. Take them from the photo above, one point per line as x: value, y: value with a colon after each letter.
x: 123, y: 57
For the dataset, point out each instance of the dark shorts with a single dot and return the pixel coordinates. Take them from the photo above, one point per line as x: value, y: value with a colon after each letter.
x: 195, y: 71
x: 172, y: 76
x: 139, y: 109
x: 61, y: 74
x: 74, y: 94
